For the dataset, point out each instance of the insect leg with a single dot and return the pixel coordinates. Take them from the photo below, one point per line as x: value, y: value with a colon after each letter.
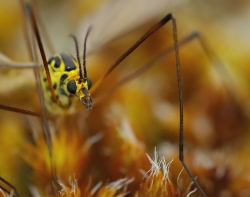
x: 9, y: 185
x: 228, y: 83
x: 5, y: 62
x: 143, y: 68
x: 31, y: 18
x: 161, y: 23
x: 28, y: 12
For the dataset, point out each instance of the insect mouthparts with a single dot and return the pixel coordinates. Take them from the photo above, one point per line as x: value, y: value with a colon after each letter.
x: 87, y: 101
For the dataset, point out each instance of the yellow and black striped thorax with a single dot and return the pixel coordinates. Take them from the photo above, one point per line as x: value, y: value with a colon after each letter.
x: 64, y: 73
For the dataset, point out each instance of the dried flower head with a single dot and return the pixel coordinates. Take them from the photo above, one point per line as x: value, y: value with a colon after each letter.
x: 157, y: 181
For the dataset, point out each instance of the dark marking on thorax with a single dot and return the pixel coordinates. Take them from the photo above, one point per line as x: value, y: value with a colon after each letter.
x: 69, y: 64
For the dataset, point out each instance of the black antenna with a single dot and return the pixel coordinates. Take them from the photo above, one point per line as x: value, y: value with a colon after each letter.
x: 82, y: 67
x: 78, y: 58
x: 84, y: 54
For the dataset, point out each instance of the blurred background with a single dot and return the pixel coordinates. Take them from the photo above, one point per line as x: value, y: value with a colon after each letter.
x: 110, y: 141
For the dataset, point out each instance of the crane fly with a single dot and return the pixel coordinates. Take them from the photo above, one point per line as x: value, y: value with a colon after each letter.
x: 65, y: 79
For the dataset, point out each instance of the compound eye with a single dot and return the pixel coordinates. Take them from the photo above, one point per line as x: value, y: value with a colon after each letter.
x: 71, y: 86
x: 89, y: 83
